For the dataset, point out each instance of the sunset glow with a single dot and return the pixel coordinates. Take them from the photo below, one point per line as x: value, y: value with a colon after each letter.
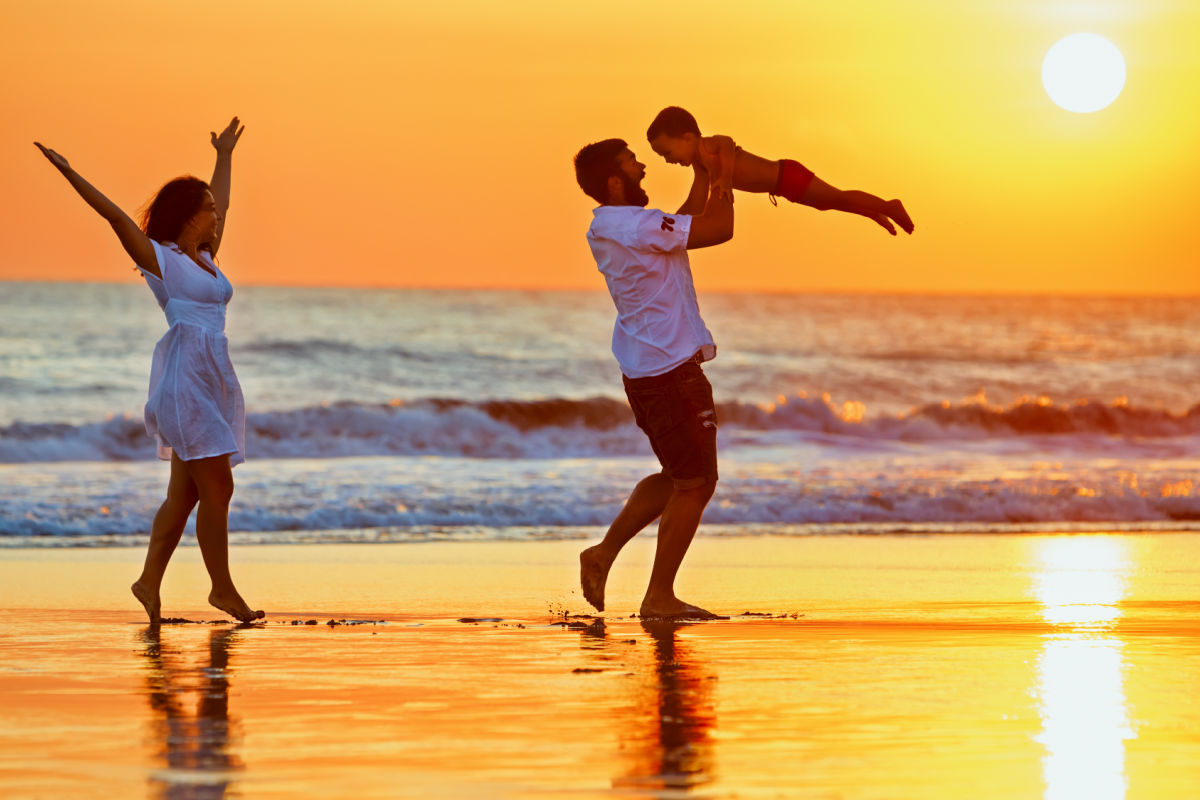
x: 430, y: 145
x: 1083, y: 73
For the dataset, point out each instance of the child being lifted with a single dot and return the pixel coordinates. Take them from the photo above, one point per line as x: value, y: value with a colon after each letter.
x: 675, y: 136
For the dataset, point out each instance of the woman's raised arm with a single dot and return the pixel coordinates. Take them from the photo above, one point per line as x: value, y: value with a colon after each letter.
x: 222, y: 172
x: 136, y: 243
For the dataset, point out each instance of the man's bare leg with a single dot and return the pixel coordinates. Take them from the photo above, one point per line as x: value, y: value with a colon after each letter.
x: 165, y: 533
x: 645, y: 504
x: 214, y: 483
x: 680, y: 519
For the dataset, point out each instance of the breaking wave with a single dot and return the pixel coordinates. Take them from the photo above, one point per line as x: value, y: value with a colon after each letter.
x: 564, y: 428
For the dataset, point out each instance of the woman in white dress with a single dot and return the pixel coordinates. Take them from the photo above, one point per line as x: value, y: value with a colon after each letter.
x: 195, y: 404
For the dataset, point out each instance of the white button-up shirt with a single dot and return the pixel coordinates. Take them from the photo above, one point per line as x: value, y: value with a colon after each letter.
x: 642, y: 253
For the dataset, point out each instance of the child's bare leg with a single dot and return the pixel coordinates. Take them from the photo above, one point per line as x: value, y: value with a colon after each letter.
x: 882, y: 222
x: 824, y: 197
x: 869, y: 205
x: 895, y: 210
x: 165, y: 533
x: 214, y: 483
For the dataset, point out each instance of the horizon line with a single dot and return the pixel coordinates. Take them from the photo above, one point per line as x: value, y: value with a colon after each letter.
x: 995, y: 293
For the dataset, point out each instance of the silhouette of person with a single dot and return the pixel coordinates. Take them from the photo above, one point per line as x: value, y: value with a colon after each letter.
x: 675, y: 135
x: 659, y: 341
x: 670, y: 741
x: 193, y: 744
x: 195, y: 405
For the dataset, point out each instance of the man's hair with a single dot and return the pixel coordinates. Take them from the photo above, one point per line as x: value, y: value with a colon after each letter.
x: 595, y: 164
x: 673, y: 121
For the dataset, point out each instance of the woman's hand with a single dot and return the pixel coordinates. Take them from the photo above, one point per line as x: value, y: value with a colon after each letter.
x: 54, y: 158
x: 132, y: 239
x: 228, y: 138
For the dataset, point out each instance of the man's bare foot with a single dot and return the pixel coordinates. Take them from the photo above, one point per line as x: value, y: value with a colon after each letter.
x: 593, y: 574
x: 676, y: 610
x: 895, y: 210
x: 150, y: 600
x: 234, y: 606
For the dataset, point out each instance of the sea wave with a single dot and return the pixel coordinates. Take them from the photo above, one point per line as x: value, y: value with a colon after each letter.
x: 563, y: 427
x: 565, y: 499
x: 311, y: 348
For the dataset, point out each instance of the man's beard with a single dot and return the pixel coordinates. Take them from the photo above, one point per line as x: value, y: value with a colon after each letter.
x: 634, y: 195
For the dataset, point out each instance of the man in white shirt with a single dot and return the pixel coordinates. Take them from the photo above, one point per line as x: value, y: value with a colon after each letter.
x: 659, y: 340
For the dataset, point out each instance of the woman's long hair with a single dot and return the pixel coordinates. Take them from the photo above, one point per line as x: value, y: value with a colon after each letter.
x: 176, y: 203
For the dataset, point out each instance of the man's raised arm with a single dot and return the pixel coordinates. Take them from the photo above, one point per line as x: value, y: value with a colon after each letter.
x: 715, y: 225
x: 699, y: 192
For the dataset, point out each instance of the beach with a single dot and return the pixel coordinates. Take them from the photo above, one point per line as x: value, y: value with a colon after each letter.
x: 957, y: 541
x: 867, y: 666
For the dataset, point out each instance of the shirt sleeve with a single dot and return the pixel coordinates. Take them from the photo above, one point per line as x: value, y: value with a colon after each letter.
x: 160, y: 257
x: 660, y: 232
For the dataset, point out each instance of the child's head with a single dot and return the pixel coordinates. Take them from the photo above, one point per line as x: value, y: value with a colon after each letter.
x: 674, y: 135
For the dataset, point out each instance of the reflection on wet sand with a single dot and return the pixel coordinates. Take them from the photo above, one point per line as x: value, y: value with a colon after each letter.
x: 192, y: 728
x: 1080, y: 583
x: 668, y: 742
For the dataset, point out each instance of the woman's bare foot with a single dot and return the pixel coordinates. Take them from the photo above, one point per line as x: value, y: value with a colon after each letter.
x: 895, y: 210
x: 593, y: 575
x: 150, y: 600
x: 675, y: 609
x: 234, y: 606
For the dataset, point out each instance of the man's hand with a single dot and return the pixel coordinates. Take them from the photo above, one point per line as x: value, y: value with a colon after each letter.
x: 723, y: 187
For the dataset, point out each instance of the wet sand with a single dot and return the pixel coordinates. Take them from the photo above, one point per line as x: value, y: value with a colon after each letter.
x: 852, y: 667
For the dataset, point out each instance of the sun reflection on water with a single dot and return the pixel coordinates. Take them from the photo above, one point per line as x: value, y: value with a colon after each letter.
x: 1080, y: 582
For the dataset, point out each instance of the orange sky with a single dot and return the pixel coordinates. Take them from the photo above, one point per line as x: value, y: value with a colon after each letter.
x: 430, y: 144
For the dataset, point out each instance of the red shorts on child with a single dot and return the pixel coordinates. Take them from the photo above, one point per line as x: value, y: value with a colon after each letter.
x: 794, y: 179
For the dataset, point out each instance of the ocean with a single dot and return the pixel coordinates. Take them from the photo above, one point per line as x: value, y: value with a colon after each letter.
x: 404, y: 415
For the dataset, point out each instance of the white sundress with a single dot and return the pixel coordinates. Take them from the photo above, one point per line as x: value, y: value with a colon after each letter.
x: 195, y: 404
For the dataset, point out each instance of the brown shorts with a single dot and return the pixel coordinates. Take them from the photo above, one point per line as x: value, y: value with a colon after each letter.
x: 677, y: 414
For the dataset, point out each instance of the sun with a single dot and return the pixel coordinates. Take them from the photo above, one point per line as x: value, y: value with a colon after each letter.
x: 1083, y: 73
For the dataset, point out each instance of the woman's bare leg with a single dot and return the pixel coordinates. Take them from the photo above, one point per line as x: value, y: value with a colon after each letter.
x: 164, y: 537
x: 214, y: 484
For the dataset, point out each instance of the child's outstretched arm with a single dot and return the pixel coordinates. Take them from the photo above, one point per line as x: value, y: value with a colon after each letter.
x: 136, y: 243
x: 823, y: 197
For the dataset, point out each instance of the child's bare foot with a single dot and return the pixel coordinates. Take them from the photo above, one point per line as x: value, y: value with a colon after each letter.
x: 233, y: 605
x: 884, y: 223
x: 895, y: 210
x: 675, y: 609
x: 150, y: 600
x: 593, y: 575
